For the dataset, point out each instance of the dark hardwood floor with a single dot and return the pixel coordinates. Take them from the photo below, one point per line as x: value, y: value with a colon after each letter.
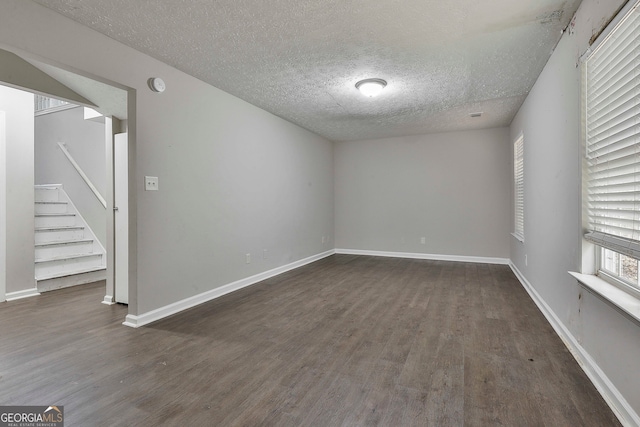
x: 346, y: 341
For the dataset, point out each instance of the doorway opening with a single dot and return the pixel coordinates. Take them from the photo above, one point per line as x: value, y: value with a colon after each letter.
x: 73, y: 151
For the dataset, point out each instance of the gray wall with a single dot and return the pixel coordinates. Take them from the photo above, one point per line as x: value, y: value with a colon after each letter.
x: 233, y: 178
x: 18, y: 73
x: 18, y: 177
x: 550, y: 120
x: 452, y: 188
x: 85, y: 141
x: 3, y: 207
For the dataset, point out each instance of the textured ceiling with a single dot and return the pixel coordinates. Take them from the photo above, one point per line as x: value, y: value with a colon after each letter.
x: 300, y: 59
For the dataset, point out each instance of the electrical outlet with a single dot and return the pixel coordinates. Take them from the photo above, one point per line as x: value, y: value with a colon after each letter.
x: 423, y: 240
x: 265, y: 252
x: 248, y: 258
x: 525, y: 261
x: 151, y: 183
x: 323, y: 240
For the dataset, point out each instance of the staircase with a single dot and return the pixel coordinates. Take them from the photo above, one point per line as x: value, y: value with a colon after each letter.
x: 67, y: 252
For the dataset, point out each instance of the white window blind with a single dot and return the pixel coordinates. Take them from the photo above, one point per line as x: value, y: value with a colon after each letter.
x: 613, y: 138
x: 518, y: 185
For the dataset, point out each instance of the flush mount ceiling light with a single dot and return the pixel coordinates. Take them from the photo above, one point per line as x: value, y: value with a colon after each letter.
x: 371, y: 87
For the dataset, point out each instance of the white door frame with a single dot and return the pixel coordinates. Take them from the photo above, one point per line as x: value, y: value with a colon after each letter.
x: 115, y: 237
x: 110, y: 244
x: 121, y: 218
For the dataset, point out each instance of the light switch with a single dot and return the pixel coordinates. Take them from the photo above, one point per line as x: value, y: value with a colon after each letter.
x: 151, y: 183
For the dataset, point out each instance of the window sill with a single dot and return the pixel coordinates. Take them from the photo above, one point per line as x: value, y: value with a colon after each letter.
x: 623, y: 301
x: 518, y: 237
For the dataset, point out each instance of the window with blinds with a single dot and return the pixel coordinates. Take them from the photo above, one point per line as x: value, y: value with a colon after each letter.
x: 518, y: 186
x: 612, y: 117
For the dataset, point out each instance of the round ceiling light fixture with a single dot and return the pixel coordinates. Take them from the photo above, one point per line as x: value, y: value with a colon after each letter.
x: 371, y: 87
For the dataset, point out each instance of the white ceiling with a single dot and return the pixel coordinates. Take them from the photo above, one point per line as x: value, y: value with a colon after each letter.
x: 300, y: 59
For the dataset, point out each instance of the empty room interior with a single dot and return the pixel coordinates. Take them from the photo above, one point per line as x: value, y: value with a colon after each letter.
x: 322, y: 212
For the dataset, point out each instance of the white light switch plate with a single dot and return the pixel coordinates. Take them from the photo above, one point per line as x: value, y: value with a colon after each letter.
x: 151, y: 183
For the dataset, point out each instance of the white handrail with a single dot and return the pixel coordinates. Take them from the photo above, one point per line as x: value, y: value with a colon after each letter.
x: 82, y: 174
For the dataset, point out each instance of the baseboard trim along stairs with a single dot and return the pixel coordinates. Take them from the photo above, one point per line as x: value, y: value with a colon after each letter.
x: 67, y: 252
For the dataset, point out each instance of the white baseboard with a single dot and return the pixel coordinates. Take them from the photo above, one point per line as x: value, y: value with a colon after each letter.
x: 618, y: 404
x: 12, y: 296
x: 108, y: 300
x: 435, y: 257
x: 162, y: 312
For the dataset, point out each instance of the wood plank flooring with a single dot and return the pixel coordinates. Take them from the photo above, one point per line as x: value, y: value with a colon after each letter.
x: 345, y: 341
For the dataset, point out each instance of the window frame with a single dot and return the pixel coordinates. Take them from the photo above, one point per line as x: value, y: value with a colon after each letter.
x: 612, y: 287
x: 614, y: 278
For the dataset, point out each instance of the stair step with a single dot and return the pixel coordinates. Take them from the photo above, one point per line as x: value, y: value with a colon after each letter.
x: 62, y: 227
x: 64, y: 264
x: 67, y: 257
x: 63, y: 255
x: 64, y: 247
x: 50, y: 207
x: 56, y: 234
x: 73, y: 278
x: 55, y: 219
x: 70, y: 273
x: 63, y: 243
x: 46, y: 193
